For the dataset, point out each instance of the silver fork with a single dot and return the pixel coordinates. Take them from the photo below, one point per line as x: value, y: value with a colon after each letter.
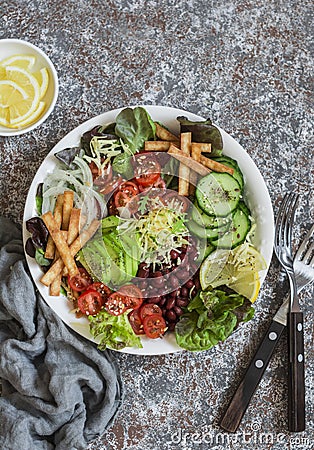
x: 283, y: 250
x: 304, y: 270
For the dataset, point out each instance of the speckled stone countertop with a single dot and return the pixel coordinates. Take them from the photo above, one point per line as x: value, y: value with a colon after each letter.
x: 246, y: 64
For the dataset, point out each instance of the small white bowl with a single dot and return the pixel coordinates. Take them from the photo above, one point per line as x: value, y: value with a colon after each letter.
x: 10, y: 47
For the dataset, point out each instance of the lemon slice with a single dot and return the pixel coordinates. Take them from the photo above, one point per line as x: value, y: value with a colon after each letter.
x: 237, y: 269
x: 248, y: 286
x: 5, y: 117
x: 10, y: 93
x: 30, y: 119
x: 3, y: 73
x: 23, y: 61
x: 43, y: 80
x: 22, y: 110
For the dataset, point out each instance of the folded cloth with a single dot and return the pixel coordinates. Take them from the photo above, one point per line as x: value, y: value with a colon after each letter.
x: 58, y: 390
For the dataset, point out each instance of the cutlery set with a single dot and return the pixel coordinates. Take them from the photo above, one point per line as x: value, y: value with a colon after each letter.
x: 300, y: 272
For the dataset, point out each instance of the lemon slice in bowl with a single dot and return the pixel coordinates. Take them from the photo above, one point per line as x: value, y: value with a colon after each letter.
x: 42, y: 77
x: 237, y: 268
x: 11, y: 93
x: 20, y: 111
x: 23, y: 61
x: 30, y: 119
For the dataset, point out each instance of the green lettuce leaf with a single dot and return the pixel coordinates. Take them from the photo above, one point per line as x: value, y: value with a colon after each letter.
x: 203, y: 131
x: 113, y: 332
x: 210, y: 318
x: 134, y: 127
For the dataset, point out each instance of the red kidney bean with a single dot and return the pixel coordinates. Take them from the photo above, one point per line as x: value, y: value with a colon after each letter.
x: 178, y: 310
x: 174, y: 254
x: 182, y: 274
x: 143, y: 272
x: 154, y: 300
x: 170, y: 303
x: 197, y: 283
x: 162, y: 301
x: 157, y: 274
x: 171, y: 315
x: 171, y: 326
x: 184, y: 292
x: 174, y: 281
x: 189, y: 284
x: 158, y: 282
x: 193, y: 292
x: 182, y: 302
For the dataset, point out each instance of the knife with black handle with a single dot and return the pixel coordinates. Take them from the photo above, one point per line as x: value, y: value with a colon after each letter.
x: 241, y: 399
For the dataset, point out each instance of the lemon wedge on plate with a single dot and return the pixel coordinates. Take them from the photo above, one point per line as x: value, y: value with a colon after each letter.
x: 237, y: 268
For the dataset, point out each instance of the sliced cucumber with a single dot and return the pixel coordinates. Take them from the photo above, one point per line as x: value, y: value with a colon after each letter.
x: 218, y: 194
x: 229, y: 162
x: 207, y: 233
x: 240, y: 227
x: 207, y: 221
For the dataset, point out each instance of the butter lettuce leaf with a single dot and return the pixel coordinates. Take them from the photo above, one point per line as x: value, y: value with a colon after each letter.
x: 134, y: 127
x: 114, y: 332
x: 210, y: 318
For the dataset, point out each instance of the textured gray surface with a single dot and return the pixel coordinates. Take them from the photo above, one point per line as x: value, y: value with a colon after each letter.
x: 246, y: 64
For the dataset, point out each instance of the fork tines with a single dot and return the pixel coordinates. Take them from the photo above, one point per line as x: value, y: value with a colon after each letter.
x: 284, y: 222
x: 306, y: 249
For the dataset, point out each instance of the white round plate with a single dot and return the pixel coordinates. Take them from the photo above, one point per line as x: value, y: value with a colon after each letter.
x: 255, y: 192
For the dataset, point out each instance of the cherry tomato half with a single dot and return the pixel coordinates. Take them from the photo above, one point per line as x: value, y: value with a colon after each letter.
x: 133, y: 294
x: 90, y: 302
x: 112, y: 185
x: 116, y: 304
x: 176, y: 202
x: 103, y: 290
x: 149, y: 309
x: 101, y: 176
x: 129, y: 188
x: 146, y: 169
x: 154, y: 326
x: 80, y: 281
x: 136, y: 322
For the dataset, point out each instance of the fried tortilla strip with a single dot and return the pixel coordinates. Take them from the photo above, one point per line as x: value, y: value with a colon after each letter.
x: 76, y: 246
x: 57, y: 214
x: 74, y: 225
x: 164, y: 134
x: 202, y: 147
x: 77, y: 222
x: 184, y: 171
x: 60, y: 243
x: 196, y: 152
x: 188, y: 161
x: 158, y: 146
x: 54, y: 289
x: 68, y: 199
x: 216, y: 166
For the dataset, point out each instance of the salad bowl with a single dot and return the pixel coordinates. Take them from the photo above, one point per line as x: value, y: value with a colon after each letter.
x: 255, y: 193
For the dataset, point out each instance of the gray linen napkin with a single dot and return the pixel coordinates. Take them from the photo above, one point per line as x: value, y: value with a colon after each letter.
x: 58, y: 390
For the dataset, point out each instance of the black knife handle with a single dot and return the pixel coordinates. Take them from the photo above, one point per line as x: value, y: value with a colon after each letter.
x: 296, y: 387
x: 241, y: 399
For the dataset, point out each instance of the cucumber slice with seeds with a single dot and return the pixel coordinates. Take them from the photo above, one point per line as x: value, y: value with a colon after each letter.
x: 237, y: 232
x: 229, y: 162
x: 218, y: 194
